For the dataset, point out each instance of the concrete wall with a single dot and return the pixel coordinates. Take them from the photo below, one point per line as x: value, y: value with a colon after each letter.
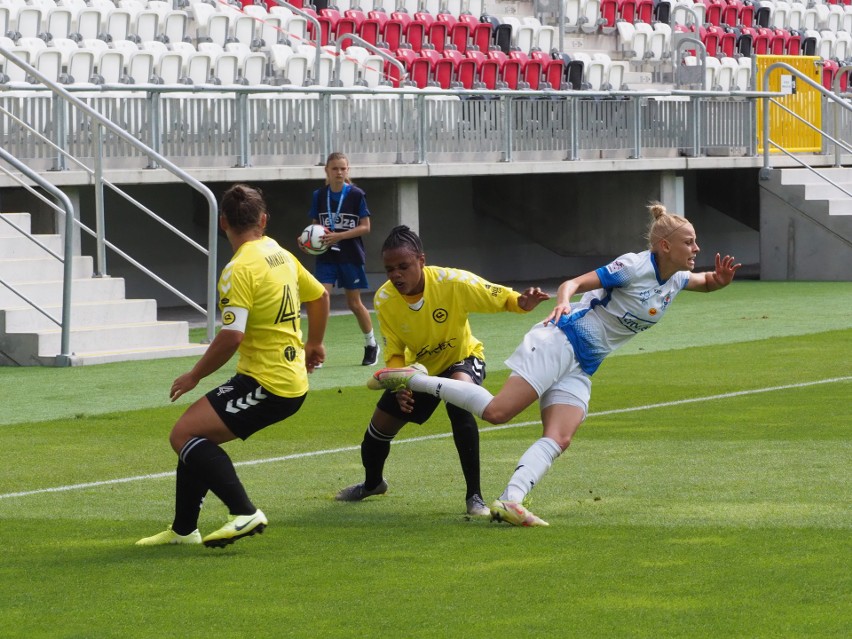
x: 800, y: 239
x: 505, y: 228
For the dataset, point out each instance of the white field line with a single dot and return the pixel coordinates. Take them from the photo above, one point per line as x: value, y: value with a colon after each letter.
x: 346, y: 449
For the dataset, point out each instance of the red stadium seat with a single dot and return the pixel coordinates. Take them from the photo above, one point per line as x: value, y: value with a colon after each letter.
x: 645, y: 11
x: 510, y: 69
x: 487, y: 69
x: 713, y: 13
x: 436, y: 32
x: 728, y: 42
x: 609, y: 13
x: 627, y: 10
x: 370, y: 30
x: 480, y: 35
x: 444, y: 71
x: 415, y: 34
x: 393, y: 32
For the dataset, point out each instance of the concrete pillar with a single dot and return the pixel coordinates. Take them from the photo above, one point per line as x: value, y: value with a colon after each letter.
x: 671, y: 192
x: 408, y: 207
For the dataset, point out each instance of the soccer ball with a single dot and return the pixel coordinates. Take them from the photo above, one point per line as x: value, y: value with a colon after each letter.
x: 309, y: 240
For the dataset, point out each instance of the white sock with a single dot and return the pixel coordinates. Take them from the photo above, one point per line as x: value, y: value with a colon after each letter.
x: 369, y: 339
x: 465, y: 395
x: 531, y: 468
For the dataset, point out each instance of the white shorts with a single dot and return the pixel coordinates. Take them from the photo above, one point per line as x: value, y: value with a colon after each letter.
x: 545, y: 359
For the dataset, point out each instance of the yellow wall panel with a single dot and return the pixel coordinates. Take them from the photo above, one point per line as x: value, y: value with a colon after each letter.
x: 784, y: 129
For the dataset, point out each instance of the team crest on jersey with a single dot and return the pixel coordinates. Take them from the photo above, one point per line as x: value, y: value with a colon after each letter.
x: 614, y: 267
x: 224, y: 390
x: 440, y: 315
x: 289, y: 353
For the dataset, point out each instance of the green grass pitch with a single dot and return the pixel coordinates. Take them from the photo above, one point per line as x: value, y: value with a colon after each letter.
x: 707, y: 495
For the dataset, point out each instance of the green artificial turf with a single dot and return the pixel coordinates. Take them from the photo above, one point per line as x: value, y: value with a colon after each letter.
x: 707, y: 495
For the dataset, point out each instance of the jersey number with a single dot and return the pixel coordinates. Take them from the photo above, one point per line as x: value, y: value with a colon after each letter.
x: 288, y: 311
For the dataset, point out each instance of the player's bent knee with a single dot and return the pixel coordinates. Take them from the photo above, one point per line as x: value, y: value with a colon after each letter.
x: 495, y: 415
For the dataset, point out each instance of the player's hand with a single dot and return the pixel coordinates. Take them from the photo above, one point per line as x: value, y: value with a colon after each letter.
x: 725, y: 270
x: 314, y: 356
x: 531, y: 298
x: 182, y: 385
x: 405, y: 399
x: 556, y: 314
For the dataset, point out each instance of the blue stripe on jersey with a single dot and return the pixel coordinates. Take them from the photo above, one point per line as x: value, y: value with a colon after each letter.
x: 588, y: 354
x: 611, y: 280
x: 660, y: 280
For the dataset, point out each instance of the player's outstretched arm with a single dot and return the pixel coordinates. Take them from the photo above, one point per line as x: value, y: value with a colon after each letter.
x: 720, y: 277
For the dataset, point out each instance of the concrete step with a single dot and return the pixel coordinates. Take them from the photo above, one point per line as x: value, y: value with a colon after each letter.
x: 35, y: 269
x: 127, y: 355
x: 22, y: 246
x: 840, y: 207
x: 119, y: 337
x: 88, y: 314
x: 839, y: 175
x: 21, y: 220
x: 49, y: 293
x: 827, y: 191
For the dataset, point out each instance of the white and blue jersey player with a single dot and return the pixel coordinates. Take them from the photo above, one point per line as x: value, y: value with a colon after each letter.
x: 556, y: 359
x: 632, y: 299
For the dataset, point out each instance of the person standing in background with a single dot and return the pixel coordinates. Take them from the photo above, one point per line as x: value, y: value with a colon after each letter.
x: 341, y: 207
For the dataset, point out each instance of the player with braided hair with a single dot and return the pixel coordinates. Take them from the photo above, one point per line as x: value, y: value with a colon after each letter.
x: 423, y: 314
x: 557, y: 357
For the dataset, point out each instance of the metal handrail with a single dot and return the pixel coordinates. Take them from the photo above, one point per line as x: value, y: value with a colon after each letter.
x: 361, y: 41
x: 162, y: 161
x: 317, y: 32
x: 767, y: 98
x: 64, y: 357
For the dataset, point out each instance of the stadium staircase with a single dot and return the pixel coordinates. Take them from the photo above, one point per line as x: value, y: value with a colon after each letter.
x: 804, y: 213
x: 106, y: 326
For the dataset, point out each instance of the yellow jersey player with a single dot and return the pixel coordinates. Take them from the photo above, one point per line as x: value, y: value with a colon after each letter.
x: 261, y: 291
x: 423, y: 314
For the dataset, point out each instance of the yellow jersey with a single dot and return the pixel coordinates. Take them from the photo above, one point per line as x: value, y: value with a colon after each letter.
x: 433, y: 328
x: 271, y: 284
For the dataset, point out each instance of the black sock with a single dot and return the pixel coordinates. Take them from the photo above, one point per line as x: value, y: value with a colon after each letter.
x: 466, y: 438
x: 211, y: 465
x: 374, y: 451
x: 189, y: 495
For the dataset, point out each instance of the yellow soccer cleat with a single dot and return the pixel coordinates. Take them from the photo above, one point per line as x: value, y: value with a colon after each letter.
x: 237, y: 527
x: 169, y: 536
x: 395, y: 379
x: 514, y: 513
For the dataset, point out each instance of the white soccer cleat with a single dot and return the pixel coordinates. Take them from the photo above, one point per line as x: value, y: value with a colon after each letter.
x: 476, y: 507
x: 395, y: 379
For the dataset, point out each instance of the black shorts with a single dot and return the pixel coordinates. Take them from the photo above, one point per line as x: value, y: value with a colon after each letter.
x: 246, y: 407
x: 424, y: 403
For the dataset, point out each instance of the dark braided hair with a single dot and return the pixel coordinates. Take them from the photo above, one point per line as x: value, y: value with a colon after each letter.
x: 403, y: 237
x: 242, y: 206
